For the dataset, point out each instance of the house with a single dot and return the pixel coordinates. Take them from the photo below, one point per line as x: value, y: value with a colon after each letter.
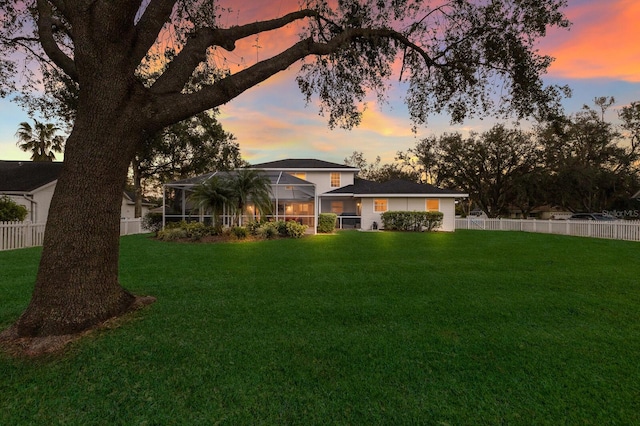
x: 31, y: 184
x: 304, y: 188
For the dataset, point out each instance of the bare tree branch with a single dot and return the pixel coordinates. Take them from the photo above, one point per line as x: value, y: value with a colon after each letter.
x: 179, y: 106
x: 51, y: 48
x: 157, y: 13
x: 194, y: 52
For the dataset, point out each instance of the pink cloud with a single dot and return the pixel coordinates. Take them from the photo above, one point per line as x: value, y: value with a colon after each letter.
x: 602, y: 42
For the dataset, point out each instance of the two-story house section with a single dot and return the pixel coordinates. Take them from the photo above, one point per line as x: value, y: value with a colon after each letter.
x: 326, y: 177
x: 301, y: 189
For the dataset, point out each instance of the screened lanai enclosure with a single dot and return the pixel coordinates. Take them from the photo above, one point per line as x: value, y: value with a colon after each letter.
x: 292, y: 198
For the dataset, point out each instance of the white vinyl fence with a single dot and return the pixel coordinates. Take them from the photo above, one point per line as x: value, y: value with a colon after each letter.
x: 616, y: 230
x: 16, y: 235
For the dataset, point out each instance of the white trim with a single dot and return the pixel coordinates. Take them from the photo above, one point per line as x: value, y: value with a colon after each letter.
x: 413, y: 195
x: 305, y: 169
x: 329, y: 194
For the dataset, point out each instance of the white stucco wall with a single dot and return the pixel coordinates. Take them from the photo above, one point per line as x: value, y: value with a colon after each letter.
x: 37, y: 203
x: 39, y: 208
x: 322, y: 179
x: 447, y: 207
x: 128, y: 210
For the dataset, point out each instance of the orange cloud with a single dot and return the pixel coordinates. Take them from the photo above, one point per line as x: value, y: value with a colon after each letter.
x: 602, y: 43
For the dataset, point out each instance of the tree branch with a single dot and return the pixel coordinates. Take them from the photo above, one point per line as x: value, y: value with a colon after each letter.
x: 194, y: 52
x: 51, y: 48
x: 157, y: 13
x: 180, y: 106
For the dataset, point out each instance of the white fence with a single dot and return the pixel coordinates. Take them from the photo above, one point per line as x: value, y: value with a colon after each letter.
x: 616, y: 230
x: 16, y: 235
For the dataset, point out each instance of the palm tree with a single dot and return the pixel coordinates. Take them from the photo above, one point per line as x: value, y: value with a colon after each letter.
x: 250, y: 186
x: 212, y: 195
x: 40, y: 139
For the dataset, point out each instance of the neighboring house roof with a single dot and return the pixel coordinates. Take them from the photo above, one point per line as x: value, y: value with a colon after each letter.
x: 302, y: 164
x: 27, y: 176
x: 396, y: 188
x: 131, y: 199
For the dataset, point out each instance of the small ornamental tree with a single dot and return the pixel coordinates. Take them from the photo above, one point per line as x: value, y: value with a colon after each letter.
x: 10, y: 211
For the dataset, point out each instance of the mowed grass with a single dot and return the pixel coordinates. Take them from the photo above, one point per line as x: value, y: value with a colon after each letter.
x: 471, y: 327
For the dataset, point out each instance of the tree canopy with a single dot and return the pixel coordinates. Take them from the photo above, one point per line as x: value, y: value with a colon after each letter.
x: 40, y: 139
x: 579, y: 162
x: 461, y: 57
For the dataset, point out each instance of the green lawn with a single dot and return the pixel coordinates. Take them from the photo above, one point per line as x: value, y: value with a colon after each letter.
x: 356, y: 328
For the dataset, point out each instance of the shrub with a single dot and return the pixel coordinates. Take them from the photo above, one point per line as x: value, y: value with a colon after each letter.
x: 152, y: 222
x: 295, y: 229
x: 281, y: 226
x: 411, y: 220
x: 240, y: 232
x: 196, y: 230
x: 11, y: 211
x: 193, y: 230
x: 434, y: 220
x: 253, y: 227
x: 327, y: 222
x: 267, y: 230
x: 172, y: 234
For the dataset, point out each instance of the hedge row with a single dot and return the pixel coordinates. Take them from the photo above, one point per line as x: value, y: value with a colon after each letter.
x: 412, y: 221
x: 197, y: 230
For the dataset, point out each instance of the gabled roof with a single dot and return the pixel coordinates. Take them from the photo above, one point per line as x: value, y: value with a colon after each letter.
x: 27, y: 176
x: 130, y: 198
x: 302, y: 164
x: 396, y: 188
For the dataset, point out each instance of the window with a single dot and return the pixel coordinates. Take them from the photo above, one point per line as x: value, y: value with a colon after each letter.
x: 337, y: 207
x: 335, y: 180
x: 380, y: 205
x: 433, y: 205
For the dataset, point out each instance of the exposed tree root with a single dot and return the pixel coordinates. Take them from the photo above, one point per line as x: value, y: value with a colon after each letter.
x: 33, y: 347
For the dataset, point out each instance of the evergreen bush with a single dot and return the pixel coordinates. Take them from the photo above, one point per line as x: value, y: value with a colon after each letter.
x: 295, y: 229
x: 152, y: 222
x: 10, y: 211
x: 327, y: 222
x: 240, y: 232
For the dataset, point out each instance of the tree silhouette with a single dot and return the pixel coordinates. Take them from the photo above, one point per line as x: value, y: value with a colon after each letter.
x: 41, y: 140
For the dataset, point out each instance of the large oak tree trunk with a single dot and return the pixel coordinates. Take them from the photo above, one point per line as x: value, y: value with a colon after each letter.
x: 77, y: 283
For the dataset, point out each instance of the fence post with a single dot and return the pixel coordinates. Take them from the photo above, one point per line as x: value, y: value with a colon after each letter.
x: 28, y: 230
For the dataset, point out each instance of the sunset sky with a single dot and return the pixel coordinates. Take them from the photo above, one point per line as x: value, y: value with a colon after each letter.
x: 598, y: 56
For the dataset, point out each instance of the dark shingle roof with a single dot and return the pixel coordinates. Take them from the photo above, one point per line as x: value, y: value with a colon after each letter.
x: 393, y: 187
x: 27, y: 176
x: 301, y: 164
